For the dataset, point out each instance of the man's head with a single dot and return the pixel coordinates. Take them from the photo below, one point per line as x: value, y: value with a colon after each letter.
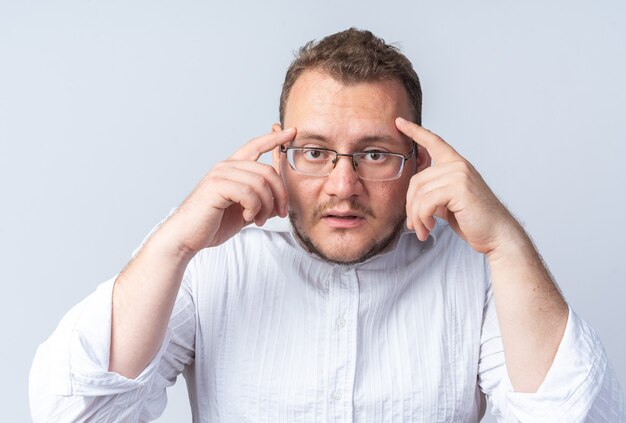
x: 353, y: 56
x: 344, y: 93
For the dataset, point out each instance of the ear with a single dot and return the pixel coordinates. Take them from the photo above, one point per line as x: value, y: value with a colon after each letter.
x: 276, y: 151
x: 423, y: 158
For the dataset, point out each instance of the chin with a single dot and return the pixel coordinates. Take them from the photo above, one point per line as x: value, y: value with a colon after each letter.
x: 343, y: 256
x: 341, y: 250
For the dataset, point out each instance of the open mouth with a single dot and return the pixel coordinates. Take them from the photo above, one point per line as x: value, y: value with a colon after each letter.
x: 343, y: 220
x: 343, y: 217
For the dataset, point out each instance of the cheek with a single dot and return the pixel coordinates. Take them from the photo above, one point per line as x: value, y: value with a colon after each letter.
x: 303, y: 192
x: 389, y: 198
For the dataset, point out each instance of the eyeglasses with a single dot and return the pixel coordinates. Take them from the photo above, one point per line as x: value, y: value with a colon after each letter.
x: 373, y: 165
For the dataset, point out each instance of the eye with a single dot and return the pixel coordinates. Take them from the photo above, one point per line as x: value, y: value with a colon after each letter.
x: 313, y: 154
x: 374, y: 156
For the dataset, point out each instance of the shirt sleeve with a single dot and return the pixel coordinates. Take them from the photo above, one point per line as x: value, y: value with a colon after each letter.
x: 69, y: 378
x: 580, y: 386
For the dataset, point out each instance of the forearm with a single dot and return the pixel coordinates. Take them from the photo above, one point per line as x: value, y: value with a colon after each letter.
x: 146, y: 290
x: 531, y: 311
x: 143, y: 299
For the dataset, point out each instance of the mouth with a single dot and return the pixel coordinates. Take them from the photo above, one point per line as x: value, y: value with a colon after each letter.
x: 343, y: 219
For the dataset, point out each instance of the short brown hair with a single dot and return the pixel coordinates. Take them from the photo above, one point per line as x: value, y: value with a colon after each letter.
x: 354, y: 56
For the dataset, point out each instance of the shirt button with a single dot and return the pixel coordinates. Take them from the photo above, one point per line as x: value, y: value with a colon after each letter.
x: 337, y: 395
x: 341, y: 322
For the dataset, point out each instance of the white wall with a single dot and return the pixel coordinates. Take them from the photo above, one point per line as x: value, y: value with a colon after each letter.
x: 110, y: 112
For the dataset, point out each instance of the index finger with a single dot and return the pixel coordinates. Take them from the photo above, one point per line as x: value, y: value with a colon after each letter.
x: 264, y: 144
x: 439, y: 150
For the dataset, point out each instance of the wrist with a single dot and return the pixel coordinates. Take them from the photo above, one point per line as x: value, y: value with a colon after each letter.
x: 513, y: 242
x: 166, y: 245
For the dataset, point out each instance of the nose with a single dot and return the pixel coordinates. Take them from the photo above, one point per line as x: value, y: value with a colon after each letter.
x: 343, y: 181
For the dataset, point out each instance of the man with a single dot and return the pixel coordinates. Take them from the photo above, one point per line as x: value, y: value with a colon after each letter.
x: 397, y: 289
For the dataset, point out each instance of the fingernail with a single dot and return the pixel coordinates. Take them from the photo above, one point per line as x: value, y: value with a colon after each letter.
x: 288, y: 130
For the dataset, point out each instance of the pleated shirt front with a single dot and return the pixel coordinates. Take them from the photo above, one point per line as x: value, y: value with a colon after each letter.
x: 265, y: 331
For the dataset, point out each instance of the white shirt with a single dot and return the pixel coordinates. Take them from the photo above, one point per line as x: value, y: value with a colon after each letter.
x: 264, y: 331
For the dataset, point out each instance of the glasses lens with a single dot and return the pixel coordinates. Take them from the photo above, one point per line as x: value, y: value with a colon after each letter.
x: 378, y: 166
x: 310, y: 161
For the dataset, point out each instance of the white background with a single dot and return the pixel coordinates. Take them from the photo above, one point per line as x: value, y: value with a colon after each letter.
x: 110, y: 112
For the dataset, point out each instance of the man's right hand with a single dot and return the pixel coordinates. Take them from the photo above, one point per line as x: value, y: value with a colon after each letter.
x: 235, y: 193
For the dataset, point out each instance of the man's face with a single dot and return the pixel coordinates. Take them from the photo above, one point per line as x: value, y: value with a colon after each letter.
x: 341, y: 217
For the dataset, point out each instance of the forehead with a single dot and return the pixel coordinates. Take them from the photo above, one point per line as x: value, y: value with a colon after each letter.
x: 346, y: 113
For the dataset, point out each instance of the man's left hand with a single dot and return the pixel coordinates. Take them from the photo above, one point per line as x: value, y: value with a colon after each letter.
x: 453, y: 190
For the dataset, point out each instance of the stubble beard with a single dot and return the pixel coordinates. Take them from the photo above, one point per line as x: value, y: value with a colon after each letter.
x: 375, y: 245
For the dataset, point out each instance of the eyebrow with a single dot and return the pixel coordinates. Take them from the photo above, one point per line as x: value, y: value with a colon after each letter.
x: 364, y: 140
